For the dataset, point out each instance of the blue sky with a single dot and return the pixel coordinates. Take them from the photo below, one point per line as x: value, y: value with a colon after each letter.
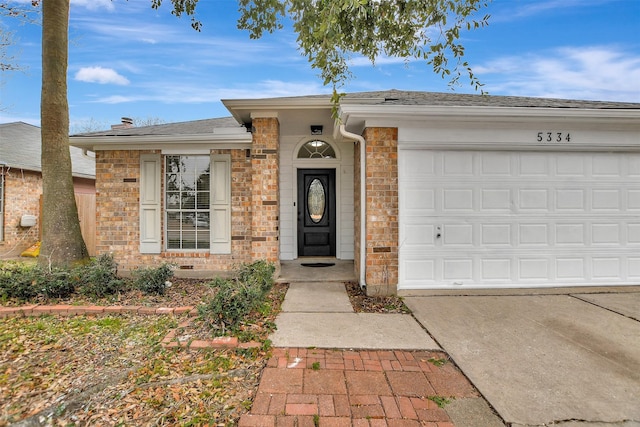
x: 126, y: 59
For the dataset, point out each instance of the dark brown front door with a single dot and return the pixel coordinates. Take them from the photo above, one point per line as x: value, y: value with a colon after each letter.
x: 316, y: 212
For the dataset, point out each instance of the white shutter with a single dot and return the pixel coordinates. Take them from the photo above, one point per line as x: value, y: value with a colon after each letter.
x: 150, y: 195
x: 221, y: 204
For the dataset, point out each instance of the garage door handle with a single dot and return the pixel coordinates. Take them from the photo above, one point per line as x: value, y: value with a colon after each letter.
x: 438, y: 232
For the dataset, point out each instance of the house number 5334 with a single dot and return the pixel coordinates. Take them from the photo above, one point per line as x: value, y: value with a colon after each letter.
x: 554, y: 137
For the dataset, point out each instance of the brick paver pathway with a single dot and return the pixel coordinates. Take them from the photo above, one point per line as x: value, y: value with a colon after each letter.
x: 335, y: 388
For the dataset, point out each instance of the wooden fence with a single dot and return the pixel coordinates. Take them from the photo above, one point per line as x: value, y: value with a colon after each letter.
x: 87, y: 214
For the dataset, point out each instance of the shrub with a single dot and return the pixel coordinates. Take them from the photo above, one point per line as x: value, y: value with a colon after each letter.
x: 18, y: 280
x: 55, y: 284
x: 153, y: 280
x: 98, y: 278
x: 235, y: 298
x: 258, y: 273
x: 27, y: 281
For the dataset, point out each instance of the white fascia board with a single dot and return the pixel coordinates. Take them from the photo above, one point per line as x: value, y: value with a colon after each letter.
x: 222, y: 140
x: 357, y: 116
x: 243, y: 109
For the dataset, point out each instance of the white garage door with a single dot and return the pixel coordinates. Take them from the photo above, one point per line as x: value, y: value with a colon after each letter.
x: 518, y: 219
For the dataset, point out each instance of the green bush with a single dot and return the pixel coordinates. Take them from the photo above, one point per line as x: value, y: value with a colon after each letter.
x: 98, y: 278
x: 153, y: 280
x: 18, y: 280
x: 238, y: 296
x: 27, y: 281
x: 258, y: 273
x: 55, y: 284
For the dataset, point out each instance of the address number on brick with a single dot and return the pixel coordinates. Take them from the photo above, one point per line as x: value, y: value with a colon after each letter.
x: 554, y: 137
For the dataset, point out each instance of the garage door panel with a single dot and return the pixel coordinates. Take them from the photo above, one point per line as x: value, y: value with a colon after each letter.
x: 519, y: 219
x: 633, y: 265
x: 533, y: 165
x: 498, y: 165
x: 495, y: 199
x: 571, y: 199
x: 633, y: 203
x: 607, y: 165
x: 634, y: 167
x: 605, y: 234
x: 607, y: 200
x: 457, y: 200
x: 457, y: 163
x: 606, y: 268
x: 633, y: 233
x: 496, y: 234
x: 570, y: 165
x: 570, y: 268
x: 534, y: 234
x: 534, y: 269
x: 570, y: 234
x: 457, y: 235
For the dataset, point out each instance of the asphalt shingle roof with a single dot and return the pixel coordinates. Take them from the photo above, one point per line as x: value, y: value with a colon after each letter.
x: 20, y: 148
x: 404, y: 97
x: 387, y: 97
x: 193, y: 127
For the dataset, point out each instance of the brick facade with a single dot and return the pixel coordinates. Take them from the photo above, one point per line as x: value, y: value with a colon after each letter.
x: 381, y: 187
x: 265, y: 190
x: 22, y: 191
x: 118, y: 210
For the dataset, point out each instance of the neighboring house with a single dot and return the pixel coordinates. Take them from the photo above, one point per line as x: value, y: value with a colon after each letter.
x: 21, y: 185
x: 421, y: 190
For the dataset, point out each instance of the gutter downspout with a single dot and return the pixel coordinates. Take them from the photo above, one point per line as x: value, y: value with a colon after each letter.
x: 363, y: 202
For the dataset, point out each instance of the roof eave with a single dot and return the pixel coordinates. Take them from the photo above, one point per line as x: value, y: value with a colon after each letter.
x: 141, y: 142
x: 354, y: 115
x: 241, y: 109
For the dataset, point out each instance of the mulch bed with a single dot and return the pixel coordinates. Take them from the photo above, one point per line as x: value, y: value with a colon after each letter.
x: 374, y: 304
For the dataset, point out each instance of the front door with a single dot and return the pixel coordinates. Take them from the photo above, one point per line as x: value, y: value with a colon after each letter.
x: 316, y: 212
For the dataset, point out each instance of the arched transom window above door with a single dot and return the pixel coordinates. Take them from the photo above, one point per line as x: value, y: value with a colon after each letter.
x: 316, y: 149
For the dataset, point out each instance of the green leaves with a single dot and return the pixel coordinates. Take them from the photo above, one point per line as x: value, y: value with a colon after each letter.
x: 331, y: 32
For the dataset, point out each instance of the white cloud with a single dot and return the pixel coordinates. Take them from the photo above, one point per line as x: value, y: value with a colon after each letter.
x: 595, y: 72
x: 100, y: 75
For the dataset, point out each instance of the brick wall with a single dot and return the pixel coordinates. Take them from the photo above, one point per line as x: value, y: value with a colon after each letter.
x: 22, y: 190
x: 117, y: 206
x: 265, y: 182
x: 381, y: 188
x: 118, y: 224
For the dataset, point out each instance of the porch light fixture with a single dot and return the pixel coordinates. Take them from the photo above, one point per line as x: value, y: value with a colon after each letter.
x: 316, y: 129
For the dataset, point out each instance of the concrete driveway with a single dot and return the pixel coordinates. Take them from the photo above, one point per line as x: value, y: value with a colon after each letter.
x: 568, y: 360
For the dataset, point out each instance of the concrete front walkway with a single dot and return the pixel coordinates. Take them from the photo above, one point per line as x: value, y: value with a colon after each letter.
x: 334, y: 367
x: 319, y: 314
x: 568, y: 360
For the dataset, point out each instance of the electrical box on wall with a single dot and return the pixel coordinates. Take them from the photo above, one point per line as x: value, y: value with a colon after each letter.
x: 28, y: 221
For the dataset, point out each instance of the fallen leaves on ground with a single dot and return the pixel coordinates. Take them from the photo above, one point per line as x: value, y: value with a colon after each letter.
x: 374, y: 304
x: 112, y: 370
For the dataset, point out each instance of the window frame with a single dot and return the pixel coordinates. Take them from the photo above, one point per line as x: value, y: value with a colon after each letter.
x: 196, y: 210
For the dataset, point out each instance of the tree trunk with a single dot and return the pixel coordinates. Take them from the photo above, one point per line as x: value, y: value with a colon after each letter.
x: 62, y: 243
